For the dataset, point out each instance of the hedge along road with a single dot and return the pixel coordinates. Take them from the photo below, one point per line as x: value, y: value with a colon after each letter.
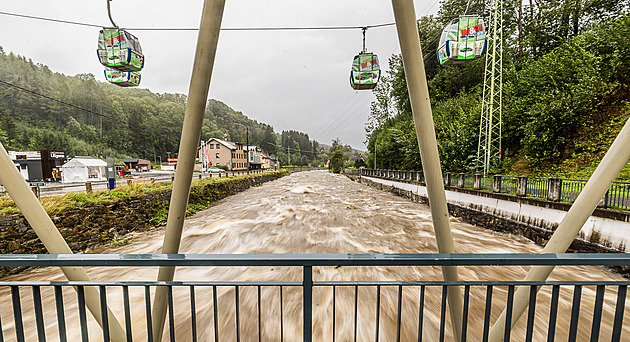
x: 319, y: 212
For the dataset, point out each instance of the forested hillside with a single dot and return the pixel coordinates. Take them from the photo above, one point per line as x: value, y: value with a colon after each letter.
x: 118, y: 121
x: 565, y: 91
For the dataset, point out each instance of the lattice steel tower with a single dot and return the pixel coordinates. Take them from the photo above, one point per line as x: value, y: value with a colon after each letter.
x: 489, y: 148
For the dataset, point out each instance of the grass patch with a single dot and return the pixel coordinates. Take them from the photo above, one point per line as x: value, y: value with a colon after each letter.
x: 122, y: 241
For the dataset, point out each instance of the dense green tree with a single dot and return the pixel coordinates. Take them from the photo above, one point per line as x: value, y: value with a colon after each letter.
x: 571, y: 77
x: 336, y: 162
x: 118, y: 121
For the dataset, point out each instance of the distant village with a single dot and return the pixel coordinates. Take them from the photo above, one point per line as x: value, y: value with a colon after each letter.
x: 213, y: 155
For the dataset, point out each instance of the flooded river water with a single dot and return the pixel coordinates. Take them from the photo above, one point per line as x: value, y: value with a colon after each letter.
x: 318, y: 212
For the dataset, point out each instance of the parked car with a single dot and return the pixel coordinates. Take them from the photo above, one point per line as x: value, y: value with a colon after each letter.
x: 215, y: 170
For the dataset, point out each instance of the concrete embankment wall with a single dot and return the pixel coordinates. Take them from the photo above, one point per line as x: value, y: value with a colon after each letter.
x: 605, y: 231
x: 93, y: 225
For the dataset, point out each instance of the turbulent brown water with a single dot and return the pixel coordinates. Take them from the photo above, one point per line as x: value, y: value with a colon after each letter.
x: 318, y: 212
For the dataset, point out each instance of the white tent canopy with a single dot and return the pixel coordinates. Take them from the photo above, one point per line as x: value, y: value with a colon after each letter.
x: 83, y: 170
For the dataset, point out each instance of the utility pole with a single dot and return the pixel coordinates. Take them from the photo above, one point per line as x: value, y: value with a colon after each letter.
x: 405, y: 15
x: 375, y: 155
x: 289, y: 151
x: 209, y: 29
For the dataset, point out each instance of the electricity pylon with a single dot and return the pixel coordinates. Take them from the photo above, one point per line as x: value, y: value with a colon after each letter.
x: 489, y: 148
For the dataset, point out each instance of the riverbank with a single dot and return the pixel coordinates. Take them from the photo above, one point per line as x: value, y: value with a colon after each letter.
x: 87, y: 220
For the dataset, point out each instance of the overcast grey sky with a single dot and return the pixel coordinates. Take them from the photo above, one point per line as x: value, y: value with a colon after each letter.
x: 289, y: 79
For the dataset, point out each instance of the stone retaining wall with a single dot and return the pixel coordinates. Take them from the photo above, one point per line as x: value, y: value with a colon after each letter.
x: 87, y: 227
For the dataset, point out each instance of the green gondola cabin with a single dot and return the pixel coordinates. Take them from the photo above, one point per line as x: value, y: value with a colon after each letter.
x: 365, y: 72
x: 122, y: 78
x: 463, y: 40
x: 120, y: 50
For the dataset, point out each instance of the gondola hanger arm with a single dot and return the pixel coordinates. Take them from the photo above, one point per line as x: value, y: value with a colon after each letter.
x: 109, y: 13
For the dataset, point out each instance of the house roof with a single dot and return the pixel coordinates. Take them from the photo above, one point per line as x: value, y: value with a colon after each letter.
x: 228, y: 144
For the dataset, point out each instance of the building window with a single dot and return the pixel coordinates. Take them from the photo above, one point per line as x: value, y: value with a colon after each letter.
x: 217, y: 155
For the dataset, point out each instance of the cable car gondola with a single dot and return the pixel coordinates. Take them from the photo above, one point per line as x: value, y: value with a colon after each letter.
x: 120, y: 50
x: 122, y: 78
x: 120, y: 53
x: 463, y: 40
x: 366, y: 71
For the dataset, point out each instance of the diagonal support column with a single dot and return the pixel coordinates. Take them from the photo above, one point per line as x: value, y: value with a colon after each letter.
x: 405, y: 15
x: 608, y: 169
x: 195, y: 108
x: 48, y: 233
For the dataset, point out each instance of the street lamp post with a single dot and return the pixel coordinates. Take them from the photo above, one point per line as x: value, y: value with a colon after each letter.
x: 247, y: 142
x: 276, y: 161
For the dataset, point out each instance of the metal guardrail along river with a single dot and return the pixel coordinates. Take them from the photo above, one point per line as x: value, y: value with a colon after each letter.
x: 389, y: 292
x: 553, y: 189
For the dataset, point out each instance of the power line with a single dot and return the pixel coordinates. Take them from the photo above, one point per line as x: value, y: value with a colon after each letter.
x: 51, y: 98
x: 297, y: 28
x: 311, y: 28
x: 49, y: 19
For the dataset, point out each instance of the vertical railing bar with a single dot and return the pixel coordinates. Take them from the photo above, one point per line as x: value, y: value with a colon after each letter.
x: 531, y: 313
x: 193, y: 313
x: 307, y: 280
x: 259, y: 316
x: 619, y: 310
x: 82, y: 313
x: 421, y: 312
x: 147, y: 308
x: 171, y: 313
x: 553, y: 313
x: 443, y: 313
x: 39, y: 314
x: 127, y: 309
x: 333, y: 312
x: 486, y: 319
x: 597, y: 312
x: 104, y: 317
x: 238, y: 316
x: 281, y: 317
x: 356, y: 316
x: 17, y: 313
x: 216, y: 316
x: 508, y: 313
x: 399, y: 318
x: 1, y: 334
x: 575, y: 312
x: 378, y: 310
x: 465, y: 312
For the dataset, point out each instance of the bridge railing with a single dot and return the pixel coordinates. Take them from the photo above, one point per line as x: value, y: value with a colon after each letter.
x: 552, y: 189
x: 340, y: 309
